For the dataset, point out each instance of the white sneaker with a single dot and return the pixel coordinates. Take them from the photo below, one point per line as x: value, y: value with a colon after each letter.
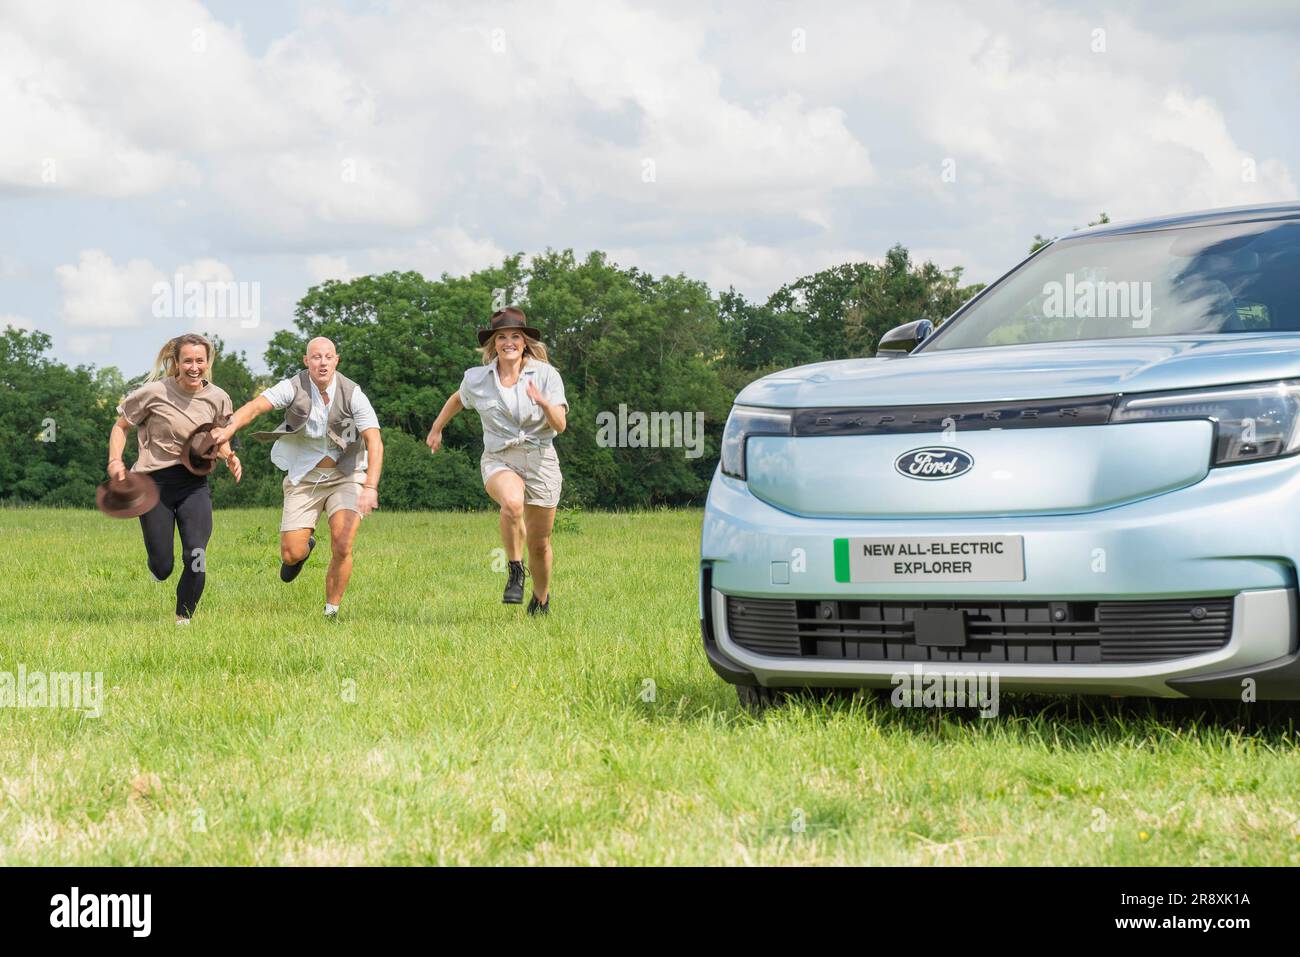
x: 182, y: 621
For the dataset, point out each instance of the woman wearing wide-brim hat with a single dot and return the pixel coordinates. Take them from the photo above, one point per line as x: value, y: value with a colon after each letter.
x: 519, y: 397
x: 172, y: 412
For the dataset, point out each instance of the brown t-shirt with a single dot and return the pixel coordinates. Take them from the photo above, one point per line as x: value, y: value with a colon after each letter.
x: 165, y: 414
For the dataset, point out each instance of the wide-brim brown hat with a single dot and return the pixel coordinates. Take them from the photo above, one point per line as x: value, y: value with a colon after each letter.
x: 199, y: 453
x: 511, y: 317
x: 130, y: 498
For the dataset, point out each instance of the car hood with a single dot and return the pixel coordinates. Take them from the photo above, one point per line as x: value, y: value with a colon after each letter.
x: 1034, y: 371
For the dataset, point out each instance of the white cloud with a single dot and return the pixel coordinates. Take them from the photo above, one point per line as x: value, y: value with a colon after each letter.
x: 380, y: 118
x: 754, y: 269
x: 58, y: 132
x: 449, y: 250
x: 1079, y: 132
x: 360, y: 138
x: 323, y: 267
x: 384, y: 117
x: 205, y: 269
x: 1016, y: 95
x: 98, y: 292
x: 18, y: 322
x: 203, y: 295
x: 709, y: 150
x: 211, y: 297
x: 95, y: 343
x: 522, y: 114
x: 296, y: 192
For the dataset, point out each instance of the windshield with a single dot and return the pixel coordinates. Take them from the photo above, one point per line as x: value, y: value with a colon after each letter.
x: 1197, y: 280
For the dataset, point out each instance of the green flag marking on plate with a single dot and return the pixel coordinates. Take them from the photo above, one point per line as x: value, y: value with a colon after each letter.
x: 841, y: 559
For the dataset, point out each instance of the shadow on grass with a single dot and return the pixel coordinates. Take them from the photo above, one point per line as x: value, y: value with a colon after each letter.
x: 1082, y: 721
x: 1068, y: 721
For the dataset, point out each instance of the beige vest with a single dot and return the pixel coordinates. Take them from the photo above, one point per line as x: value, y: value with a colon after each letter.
x: 339, y: 427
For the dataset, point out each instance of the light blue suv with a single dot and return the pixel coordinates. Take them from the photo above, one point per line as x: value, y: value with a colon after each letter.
x: 1083, y: 481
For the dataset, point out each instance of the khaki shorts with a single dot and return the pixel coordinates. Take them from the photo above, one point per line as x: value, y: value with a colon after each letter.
x: 321, y: 490
x: 538, y: 467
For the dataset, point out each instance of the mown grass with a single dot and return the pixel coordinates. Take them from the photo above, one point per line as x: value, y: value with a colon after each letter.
x: 432, y: 725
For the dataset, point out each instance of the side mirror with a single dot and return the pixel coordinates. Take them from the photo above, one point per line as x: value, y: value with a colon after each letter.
x: 901, y: 340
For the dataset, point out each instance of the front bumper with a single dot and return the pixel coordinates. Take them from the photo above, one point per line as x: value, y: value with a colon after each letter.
x: 1260, y: 649
x: 1233, y: 535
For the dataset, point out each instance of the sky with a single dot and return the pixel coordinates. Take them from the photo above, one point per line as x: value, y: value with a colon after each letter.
x: 151, y: 149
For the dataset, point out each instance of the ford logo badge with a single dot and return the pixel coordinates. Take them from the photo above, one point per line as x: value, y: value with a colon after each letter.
x: 934, y: 463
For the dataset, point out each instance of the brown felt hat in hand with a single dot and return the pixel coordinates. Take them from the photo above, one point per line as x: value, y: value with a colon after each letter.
x: 199, y: 453
x: 130, y: 497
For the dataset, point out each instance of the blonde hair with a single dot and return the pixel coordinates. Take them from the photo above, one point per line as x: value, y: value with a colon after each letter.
x: 533, y: 348
x: 168, y: 362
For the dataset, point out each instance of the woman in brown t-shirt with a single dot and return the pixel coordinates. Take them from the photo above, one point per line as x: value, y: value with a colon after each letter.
x: 172, y: 403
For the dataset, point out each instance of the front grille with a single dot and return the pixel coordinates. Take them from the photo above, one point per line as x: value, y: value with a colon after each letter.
x: 1028, y: 632
x: 965, y: 416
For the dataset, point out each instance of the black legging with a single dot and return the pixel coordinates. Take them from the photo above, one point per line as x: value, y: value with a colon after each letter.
x: 185, y: 500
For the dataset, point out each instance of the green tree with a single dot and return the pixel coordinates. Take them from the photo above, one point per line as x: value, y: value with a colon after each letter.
x: 404, y: 339
x: 624, y: 338
x: 414, y: 479
x: 762, y: 336
x: 261, y: 480
x: 818, y: 304
x: 625, y: 341
x: 846, y: 309
x: 54, y: 423
x: 899, y: 291
x: 617, y: 336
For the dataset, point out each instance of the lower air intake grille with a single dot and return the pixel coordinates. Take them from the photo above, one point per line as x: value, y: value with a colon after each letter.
x: 1031, y: 632
x: 768, y: 627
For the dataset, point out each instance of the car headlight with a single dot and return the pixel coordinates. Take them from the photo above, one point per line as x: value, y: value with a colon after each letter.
x: 743, y: 422
x: 1251, y: 422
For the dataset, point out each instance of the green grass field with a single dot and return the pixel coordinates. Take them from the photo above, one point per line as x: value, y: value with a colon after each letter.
x: 432, y: 725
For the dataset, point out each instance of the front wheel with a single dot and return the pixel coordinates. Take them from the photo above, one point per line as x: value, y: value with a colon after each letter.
x: 756, y: 698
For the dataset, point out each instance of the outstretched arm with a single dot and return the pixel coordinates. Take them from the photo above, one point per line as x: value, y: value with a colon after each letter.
x: 246, y: 413
x: 449, y: 409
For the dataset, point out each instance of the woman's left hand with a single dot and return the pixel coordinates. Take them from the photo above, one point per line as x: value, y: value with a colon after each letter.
x: 236, y: 468
x: 535, y: 394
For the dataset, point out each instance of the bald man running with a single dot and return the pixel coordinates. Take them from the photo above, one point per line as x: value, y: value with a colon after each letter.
x: 329, y: 445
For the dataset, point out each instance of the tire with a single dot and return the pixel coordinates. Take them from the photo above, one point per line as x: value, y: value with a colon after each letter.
x: 756, y: 698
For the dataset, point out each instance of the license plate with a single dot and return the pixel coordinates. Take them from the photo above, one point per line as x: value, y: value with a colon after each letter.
x: 942, y: 558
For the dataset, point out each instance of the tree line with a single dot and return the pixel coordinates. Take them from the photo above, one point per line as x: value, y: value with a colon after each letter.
x: 625, y: 342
